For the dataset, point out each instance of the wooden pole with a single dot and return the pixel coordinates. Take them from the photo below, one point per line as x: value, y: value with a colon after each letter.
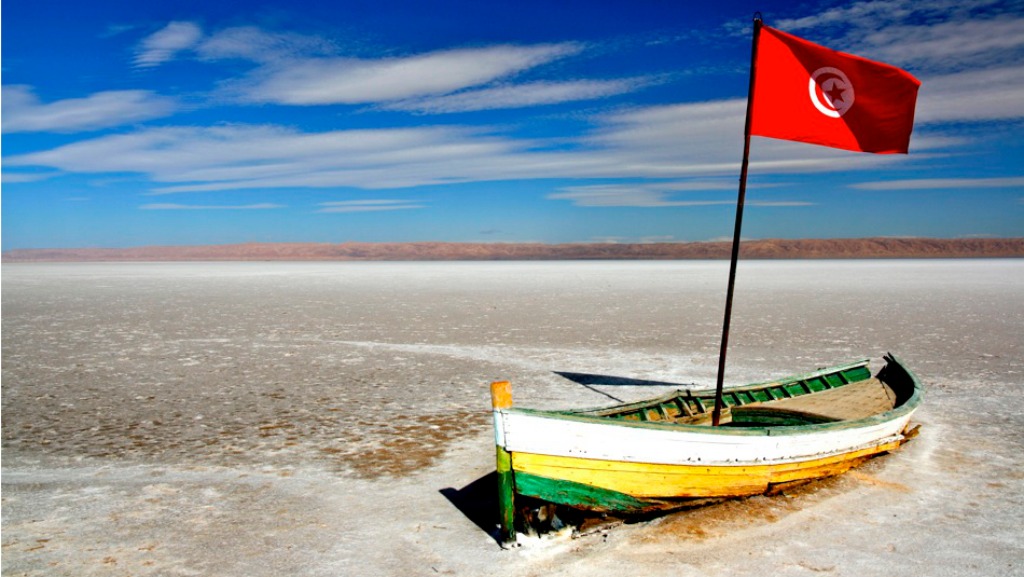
x: 716, y: 415
x: 501, y: 398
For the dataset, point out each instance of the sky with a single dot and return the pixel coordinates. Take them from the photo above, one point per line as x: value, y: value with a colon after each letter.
x: 130, y: 123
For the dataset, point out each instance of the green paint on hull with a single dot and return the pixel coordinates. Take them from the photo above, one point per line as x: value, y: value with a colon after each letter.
x: 756, y: 417
x: 587, y: 497
x: 506, y: 496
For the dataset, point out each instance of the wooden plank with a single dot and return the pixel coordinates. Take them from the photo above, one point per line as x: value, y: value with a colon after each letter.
x: 600, y: 438
x: 501, y: 398
x: 580, y: 495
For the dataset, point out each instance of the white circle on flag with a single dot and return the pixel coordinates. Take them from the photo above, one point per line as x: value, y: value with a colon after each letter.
x: 831, y: 91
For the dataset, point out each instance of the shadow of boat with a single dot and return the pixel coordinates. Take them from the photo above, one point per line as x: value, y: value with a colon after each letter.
x: 589, y: 380
x: 478, y: 501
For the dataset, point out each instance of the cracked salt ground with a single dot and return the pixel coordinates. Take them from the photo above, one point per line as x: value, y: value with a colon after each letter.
x: 324, y: 418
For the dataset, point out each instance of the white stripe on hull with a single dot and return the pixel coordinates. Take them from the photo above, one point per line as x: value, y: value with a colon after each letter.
x: 533, y: 433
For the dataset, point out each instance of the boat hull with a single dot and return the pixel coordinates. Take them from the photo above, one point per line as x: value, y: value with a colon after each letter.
x: 588, y: 460
x: 624, y: 487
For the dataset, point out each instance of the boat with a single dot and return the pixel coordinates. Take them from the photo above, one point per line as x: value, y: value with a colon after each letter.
x: 663, y: 453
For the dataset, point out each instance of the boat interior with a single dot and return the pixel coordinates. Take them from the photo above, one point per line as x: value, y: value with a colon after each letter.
x: 830, y: 395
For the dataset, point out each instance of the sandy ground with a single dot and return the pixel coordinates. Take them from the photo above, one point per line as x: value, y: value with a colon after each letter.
x: 255, y: 419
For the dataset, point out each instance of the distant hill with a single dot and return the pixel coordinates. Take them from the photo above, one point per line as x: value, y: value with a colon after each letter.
x: 439, y: 251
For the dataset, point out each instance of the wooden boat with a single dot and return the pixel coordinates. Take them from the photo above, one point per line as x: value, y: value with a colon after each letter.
x: 662, y: 453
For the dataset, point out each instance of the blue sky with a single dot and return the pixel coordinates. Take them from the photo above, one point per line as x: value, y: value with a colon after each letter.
x: 135, y: 123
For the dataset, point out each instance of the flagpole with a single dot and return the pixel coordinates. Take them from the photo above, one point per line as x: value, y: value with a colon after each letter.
x: 716, y: 415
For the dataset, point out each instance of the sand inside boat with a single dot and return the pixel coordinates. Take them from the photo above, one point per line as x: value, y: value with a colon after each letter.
x: 850, y: 402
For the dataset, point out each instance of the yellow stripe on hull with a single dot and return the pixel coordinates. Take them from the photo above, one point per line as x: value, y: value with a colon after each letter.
x: 684, y: 481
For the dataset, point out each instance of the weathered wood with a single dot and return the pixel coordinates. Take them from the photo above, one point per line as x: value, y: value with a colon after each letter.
x: 853, y: 401
x: 506, y: 498
x: 619, y: 486
x: 651, y: 455
x: 501, y: 395
x: 501, y: 398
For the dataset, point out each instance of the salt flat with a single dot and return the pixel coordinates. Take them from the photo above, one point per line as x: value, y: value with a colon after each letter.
x: 259, y: 419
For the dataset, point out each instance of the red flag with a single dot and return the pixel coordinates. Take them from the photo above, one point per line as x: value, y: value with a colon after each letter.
x: 806, y: 92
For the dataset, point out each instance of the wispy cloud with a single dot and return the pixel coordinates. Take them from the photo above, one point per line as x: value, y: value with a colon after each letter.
x: 113, y: 30
x: 303, y: 70
x: 262, y: 46
x: 779, y: 203
x: 940, y: 45
x: 361, y: 81
x: 24, y: 112
x: 172, y: 206
x: 868, y: 13
x: 942, y: 183
x: 519, y: 95
x: 368, y: 205
x: 164, y: 45
x: 991, y: 94
x: 930, y: 37
x: 666, y: 142
x: 649, y: 195
x: 251, y: 43
x: 654, y: 195
x: 17, y: 177
x: 238, y: 157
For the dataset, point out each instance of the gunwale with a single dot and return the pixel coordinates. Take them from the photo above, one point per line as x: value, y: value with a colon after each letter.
x: 708, y: 394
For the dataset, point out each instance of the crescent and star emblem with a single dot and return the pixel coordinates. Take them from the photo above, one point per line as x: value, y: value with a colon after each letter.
x: 831, y: 91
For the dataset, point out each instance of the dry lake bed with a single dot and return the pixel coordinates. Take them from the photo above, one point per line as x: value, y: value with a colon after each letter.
x: 308, y: 419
